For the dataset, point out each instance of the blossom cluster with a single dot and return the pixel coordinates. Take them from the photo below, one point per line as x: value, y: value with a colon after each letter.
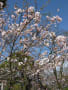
x: 22, y: 36
x: 22, y: 31
x: 54, y: 19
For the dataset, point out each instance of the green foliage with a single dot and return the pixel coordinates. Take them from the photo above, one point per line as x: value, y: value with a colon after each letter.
x: 19, y: 73
x: 66, y: 89
x: 15, y: 87
x: 4, y: 64
x: 20, y: 55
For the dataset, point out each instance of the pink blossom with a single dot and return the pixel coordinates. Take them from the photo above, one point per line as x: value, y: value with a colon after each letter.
x: 37, y: 17
x: 59, y: 19
x: 13, y: 16
x: 31, y: 9
x: 58, y: 10
x: 18, y: 11
x: 61, y: 40
x: 3, y: 33
x: 53, y: 19
x: 1, y: 4
x: 48, y: 18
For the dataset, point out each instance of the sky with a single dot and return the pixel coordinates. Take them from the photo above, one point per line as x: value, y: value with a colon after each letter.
x: 52, y: 8
x: 63, y: 6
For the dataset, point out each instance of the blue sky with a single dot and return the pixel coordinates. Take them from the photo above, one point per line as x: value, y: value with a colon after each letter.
x: 63, y: 6
x: 51, y: 7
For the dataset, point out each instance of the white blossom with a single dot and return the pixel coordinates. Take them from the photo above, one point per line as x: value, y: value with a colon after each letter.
x: 3, y: 33
x: 53, y: 19
x: 8, y: 58
x: 18, y: 11
x: 20, y: 63
x: 25, y: 59
x: 48, y: 18
x: 34, y: 37
x: 1, y: 4
x: 58, y: 10
x: 61, y: 40
x: 31, y: 9
x: 13, y: 16
x: 37, y: 17
x: 59, y: 19
x: 43, y: 61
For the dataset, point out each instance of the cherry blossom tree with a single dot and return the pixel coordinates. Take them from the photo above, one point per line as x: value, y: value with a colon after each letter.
x: 27, y: 48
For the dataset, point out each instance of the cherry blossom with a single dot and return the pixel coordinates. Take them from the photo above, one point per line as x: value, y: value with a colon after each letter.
x: 61, y: 40
x: 31, y: 9
x: 24, y: 31
x: 37, y: 17
x: 3, y: 33
x: 59, y: 19
x: 1, y: 4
